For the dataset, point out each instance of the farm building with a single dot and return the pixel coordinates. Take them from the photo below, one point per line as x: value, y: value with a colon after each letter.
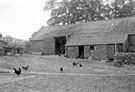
x: 100, y: 39
x: 2, y: 43
x: 51, y: 40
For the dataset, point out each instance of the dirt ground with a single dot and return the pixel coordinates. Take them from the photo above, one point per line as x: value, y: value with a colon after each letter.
x: 44, y: 75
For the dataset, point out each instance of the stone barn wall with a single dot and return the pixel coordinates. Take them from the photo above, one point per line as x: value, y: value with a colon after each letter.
x: 45, y: 46
x: 131, y: 40
x: 36, y: 46
x: 86, y: 52
x: 72, y: 51
x: 99, y: 52
x: 48, y: 46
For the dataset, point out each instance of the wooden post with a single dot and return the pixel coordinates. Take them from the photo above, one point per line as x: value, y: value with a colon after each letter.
x: 115, y: 48
x: 53, y: 41
x: 41, y: 46
x: 123, y: 47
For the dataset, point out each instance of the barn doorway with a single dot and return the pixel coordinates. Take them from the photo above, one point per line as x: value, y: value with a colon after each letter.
x: 81, y: 52
x: 60, y: 45
x: 110, y: 50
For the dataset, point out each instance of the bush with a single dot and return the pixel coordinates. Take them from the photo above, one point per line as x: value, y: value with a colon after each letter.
x: 124, y: 59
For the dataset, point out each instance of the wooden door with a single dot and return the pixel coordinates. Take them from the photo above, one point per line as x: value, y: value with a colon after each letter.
x: 110, y: 50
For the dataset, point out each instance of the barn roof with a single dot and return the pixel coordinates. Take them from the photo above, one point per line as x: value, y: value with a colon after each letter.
x: 117, y: 34
x: 94, y: 39
x: 125, y: 27
x: 85, y: 30
x: 53, y: 31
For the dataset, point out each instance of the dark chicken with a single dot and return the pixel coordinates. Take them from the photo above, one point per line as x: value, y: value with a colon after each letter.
x: 80, y: 65
x: 25, y: 67
x: 17, y: 72
x: 61, y: 69
x: 74, y: 63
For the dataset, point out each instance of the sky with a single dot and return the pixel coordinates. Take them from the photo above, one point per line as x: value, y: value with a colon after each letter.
x: 21, y: 18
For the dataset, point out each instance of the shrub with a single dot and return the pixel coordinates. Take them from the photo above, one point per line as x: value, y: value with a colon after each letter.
x: 124, y: 59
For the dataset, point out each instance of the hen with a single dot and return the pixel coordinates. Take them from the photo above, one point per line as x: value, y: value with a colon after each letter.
x: 61, y: 69
x: 74, y: 63
x: 25, y: 67
x: 80, y: 65
x: 17, y: 72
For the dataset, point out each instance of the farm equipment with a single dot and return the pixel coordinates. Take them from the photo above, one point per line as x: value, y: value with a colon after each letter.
x: 12, y: 46
x: 12, y: 50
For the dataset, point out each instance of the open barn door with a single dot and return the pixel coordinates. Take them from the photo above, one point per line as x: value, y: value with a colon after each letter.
x: 60, y: 45
x: 81, y: 52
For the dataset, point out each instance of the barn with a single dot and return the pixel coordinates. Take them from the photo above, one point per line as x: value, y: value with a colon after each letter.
x: 51, y: 40
x: 100, y: 40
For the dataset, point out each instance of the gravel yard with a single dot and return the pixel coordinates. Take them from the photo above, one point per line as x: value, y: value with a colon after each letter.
x: 44, y: 75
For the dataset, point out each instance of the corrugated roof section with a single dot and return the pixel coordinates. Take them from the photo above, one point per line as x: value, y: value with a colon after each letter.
x: 94, y: 39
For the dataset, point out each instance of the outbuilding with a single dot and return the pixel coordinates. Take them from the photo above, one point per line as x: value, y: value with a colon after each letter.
x: 100, y: 40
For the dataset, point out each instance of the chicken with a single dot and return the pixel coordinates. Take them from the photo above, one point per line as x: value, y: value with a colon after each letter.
x: 17, y: 72
x: 59, y: 55
x: 74, y: 63
x: 80, y: 65
x: 25, y: 67
x: 66, y: 56
x: 61, y: 69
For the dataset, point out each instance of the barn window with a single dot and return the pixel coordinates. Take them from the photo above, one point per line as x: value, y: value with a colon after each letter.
x: 92, y: 47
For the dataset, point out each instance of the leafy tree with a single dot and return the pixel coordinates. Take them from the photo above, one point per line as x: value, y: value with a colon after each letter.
x: 123, y: 8
x: 107, y: 11
x: 73, y: 11
x: 50, y: 4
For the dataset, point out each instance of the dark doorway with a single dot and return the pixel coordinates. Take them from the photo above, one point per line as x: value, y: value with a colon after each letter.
x: 81, y: 52
x: 60, y: 45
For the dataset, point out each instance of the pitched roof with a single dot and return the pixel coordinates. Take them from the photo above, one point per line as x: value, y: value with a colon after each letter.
x: 116, y: 34
x: 49, y: 31
x: 105, y: 26
x: 125, y: 27
x: 93, y: 39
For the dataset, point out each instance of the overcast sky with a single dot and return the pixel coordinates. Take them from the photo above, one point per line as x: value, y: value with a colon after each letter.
x: 21, y: 18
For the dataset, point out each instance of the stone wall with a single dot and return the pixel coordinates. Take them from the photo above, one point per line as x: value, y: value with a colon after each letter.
x: 86, y: 51
x: 48, y: 46
x: 99, y: 52
x: 72, y: 51
x: 45, y: 46
x: 36, y: 46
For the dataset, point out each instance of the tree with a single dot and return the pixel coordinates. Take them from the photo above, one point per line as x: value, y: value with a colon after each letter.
x: 123, y: 8
x: 50, y: 4
x: 107, y: 11
x: 74, y: 11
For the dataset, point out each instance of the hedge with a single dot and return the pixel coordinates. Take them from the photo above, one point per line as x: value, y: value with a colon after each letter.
x: 124, y: 59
